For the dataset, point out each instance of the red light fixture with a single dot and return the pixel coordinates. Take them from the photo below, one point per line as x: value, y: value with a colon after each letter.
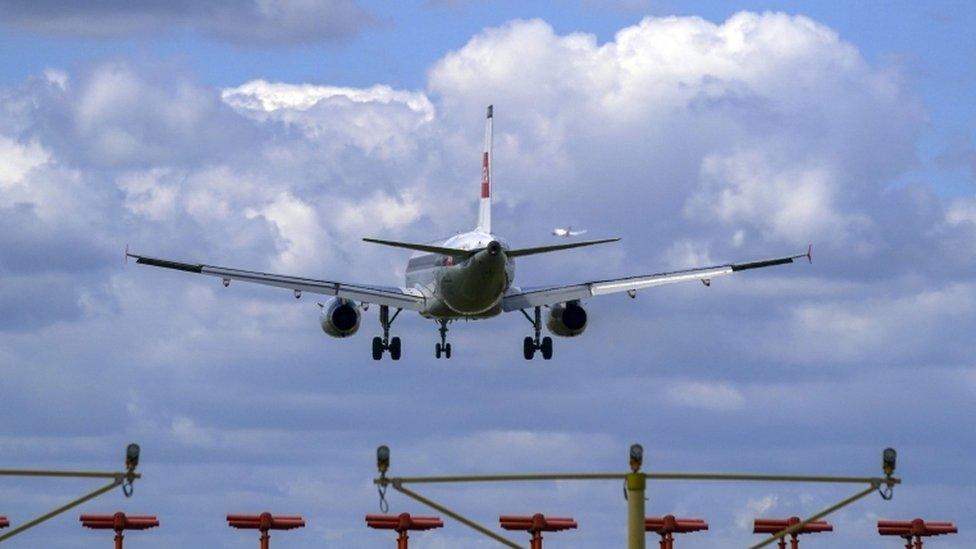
x: 119, y: 522
x: 774, y: 526
x: 402, y: 524
x: 915, y: 529
x: 264, y: 523
x: 537, y: 524
x: 668, y: 525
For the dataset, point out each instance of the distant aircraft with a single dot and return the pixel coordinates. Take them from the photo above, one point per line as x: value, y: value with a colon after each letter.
x: 567, y: 232
x: 469, y: 276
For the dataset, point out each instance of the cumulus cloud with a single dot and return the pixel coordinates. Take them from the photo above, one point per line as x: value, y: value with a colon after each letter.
x: 248, y: 23
x: 768, y: 123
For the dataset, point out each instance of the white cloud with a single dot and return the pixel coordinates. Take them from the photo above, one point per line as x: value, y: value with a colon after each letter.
x: 687, y: 253
x: 767, y: 121
x: 17, y: 160
x: 299, y: 236
x: 146, y: 193
x: 376, y: 213
x: 272, y: 96
x: 186, y: 431
x: 380, y: 120
x: 57, y: 77
x: 119, y: 114
x: 789, y: 202
x: 961, y: 211
x: 894, y: 327
x: 709, y: 396
x: 755, y: 508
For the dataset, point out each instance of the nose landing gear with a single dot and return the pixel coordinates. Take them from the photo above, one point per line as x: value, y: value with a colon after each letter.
x: 532, y: 344
x: 443, y: 347
x: 386, y: 343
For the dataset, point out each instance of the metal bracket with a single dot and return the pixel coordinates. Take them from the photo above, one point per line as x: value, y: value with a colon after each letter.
x: 398, y: 486
x: 118, y: 479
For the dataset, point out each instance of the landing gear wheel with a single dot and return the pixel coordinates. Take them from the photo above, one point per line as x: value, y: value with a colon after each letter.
x: 386, y: 343
x: 395, y: 348
x: 377, y: 348
x: 443, y: 348
x: 546, y: 348
x: 528, y: 348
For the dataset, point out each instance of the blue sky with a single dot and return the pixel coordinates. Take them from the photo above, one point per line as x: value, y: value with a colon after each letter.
x: 275, y: 140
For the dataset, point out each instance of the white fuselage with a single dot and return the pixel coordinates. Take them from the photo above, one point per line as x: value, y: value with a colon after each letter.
x: 468, y: 288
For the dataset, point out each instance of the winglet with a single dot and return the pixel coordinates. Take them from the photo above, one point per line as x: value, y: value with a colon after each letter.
x: 125, y: 260
x: 810, y: 253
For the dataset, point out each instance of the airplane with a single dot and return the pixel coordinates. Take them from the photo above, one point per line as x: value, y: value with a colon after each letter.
x: 567, y: 232
x: 468, y: 276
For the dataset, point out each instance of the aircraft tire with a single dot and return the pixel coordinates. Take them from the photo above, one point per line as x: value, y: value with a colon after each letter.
x: 447, y: 350
x: 377, y: 348
x: 437, y: 350
x: 546, y: 348
x: 395, y: 348
x: 528, y: 348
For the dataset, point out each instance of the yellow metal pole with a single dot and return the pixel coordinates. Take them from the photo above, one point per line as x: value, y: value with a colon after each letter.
x: 532, y: 477
x: 636, y: 483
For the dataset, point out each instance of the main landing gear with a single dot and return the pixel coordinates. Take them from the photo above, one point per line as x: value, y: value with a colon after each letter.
x: 443, y: 347
x: 530, y: 345
x: 386, y: 343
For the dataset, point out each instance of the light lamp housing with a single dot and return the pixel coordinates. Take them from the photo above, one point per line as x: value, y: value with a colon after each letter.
x: 383, y: 459
x: 888, y: 460
x: 132, y: 456
x: 636, y: 457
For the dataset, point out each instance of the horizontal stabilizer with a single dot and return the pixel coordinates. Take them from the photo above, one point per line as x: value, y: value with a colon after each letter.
x: 556, y: 247
x: 453, y: 252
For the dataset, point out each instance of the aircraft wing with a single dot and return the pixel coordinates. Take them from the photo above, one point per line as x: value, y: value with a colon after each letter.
x: 537, y: 297
x: 379, y: 295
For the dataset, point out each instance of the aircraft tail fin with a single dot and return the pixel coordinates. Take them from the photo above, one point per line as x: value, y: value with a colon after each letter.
x: 484, y: 208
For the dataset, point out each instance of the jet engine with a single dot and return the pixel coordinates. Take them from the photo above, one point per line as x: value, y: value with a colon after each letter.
x: 340, y: 317
x: 567, y: 319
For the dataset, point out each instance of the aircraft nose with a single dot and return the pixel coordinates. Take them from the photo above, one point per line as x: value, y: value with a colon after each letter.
x: 494, y: 247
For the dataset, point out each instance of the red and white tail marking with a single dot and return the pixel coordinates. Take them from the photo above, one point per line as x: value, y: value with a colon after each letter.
x: 484, y: 209
x: 485, y: 178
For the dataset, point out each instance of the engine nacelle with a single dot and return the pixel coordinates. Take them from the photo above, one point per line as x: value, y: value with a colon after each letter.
x: 567, y: 319
x: 340, y: 317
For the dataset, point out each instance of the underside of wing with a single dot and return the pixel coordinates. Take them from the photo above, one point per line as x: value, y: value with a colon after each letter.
x: 379, y: 295
x: 537, y: 297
